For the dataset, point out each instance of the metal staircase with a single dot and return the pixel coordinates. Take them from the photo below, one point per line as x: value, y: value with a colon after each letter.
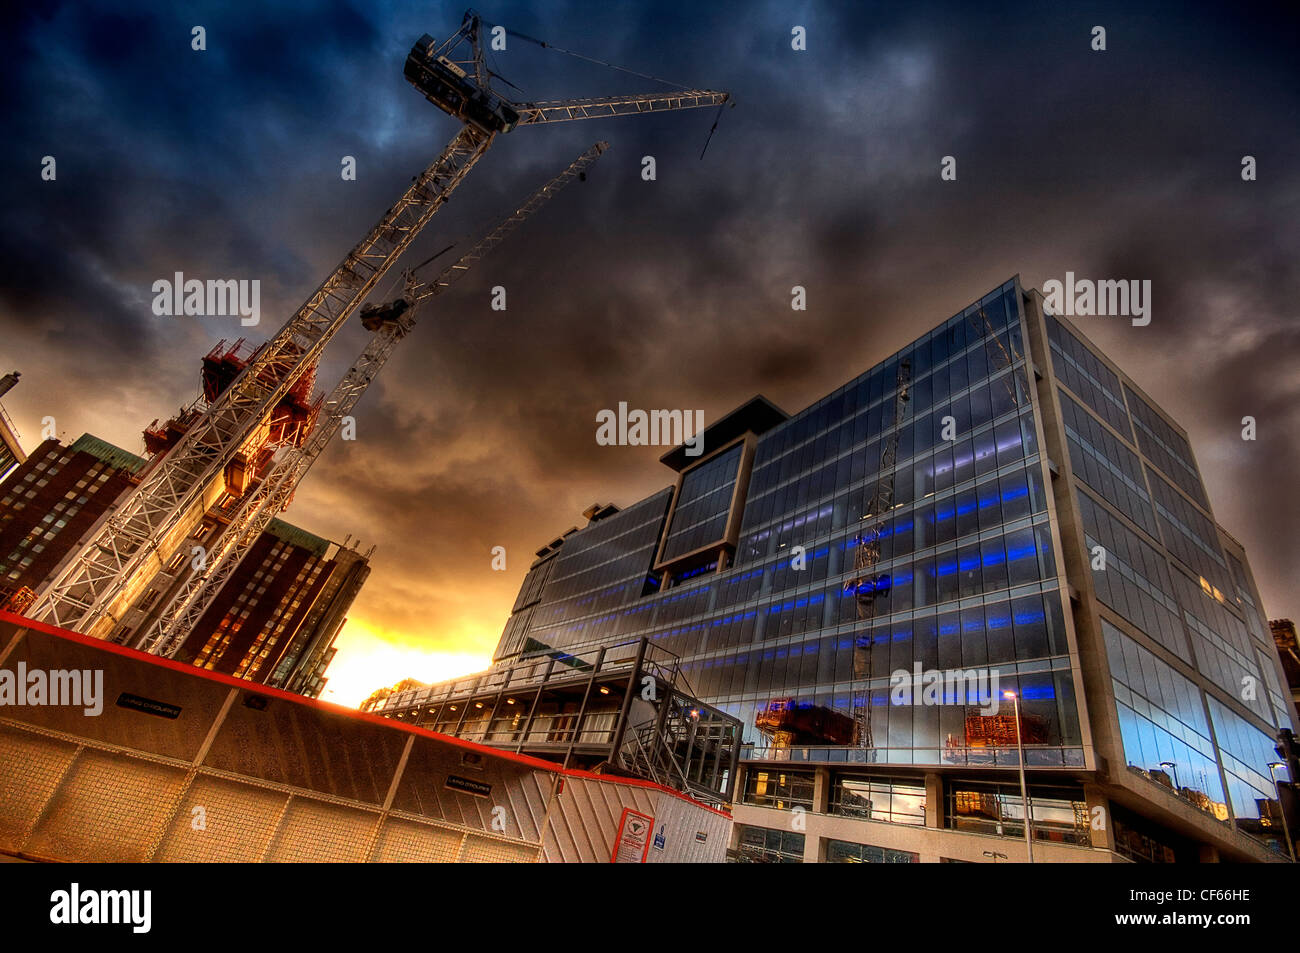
x: 683, y: 744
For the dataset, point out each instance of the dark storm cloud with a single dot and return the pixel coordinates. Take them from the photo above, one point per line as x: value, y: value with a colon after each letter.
x: 674, y: 293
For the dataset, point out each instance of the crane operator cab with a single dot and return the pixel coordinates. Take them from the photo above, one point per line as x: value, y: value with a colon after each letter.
x: 377, y: 316
x: 452, y: 90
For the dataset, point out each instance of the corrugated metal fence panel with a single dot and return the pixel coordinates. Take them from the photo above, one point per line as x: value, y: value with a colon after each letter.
x: 513, y: 798
x: 585, y: 819
x: 64, y: 802
x: 179, y: 736
x: 689, y: 833
x: 304, y: 747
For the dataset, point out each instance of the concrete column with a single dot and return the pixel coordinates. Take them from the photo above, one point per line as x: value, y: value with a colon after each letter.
x: 1101, y: 839
x: 821, y: 803
x: 933, y: 800
x: 812, y: 839
x: 822, y: 791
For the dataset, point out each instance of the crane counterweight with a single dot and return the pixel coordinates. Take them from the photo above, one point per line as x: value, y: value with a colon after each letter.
x: 452, y: 90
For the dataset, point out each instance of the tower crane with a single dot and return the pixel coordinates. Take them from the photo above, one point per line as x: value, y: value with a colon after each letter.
x: 389, y: 324
x: 868, y: 587
x: 865, y: 585
x: 99, y: 582
x: 1001, y: 358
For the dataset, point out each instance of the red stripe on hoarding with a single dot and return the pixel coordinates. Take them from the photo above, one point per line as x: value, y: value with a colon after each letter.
x: 255, y: 688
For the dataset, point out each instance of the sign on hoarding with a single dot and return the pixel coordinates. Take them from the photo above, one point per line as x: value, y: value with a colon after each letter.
x: 633, y: 840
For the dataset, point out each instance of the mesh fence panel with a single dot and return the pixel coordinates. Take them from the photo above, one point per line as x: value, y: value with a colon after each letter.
x: 109, y: 808
x: 314, y: 831
x: 235, y: 825
x: 488, y: 850
x: 403, y: 841
x: 30, y: 769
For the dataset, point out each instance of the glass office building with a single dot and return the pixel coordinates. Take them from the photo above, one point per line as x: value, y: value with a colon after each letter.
x: 994, y: 508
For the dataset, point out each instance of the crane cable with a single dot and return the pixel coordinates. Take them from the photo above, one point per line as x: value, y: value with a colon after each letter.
x: 437, y: 254
x: 583, y: 56
x: 387, y: 294
x: 712, y: 129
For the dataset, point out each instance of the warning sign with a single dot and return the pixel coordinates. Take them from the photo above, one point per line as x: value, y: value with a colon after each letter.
x: 633, y: 841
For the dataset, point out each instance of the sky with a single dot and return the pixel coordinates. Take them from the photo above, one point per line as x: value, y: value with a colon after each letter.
x: 672, y: 293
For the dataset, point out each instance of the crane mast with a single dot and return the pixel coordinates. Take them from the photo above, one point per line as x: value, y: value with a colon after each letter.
x: 865, y: 585
x: 576, y: 170
x: 391, y: 323
x: 1001, y: 358
x: 99, y: 583
x: 868, y: 587
x: 149, y: 522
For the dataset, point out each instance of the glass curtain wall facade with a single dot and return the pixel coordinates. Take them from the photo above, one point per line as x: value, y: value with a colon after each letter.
x: 1192, y: 665
x: 1019, y: 454
x: 1001, y: 454
x: 966, y: 549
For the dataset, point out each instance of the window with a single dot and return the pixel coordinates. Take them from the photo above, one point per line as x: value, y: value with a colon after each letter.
x: 879, y: 799
x: 1057, y: 814
x: 704, y: 504
x: 1140, y: 840
x: 759, y: 845
x: 778, y: 789
x: 1246, y: 752
x: 844, y: 852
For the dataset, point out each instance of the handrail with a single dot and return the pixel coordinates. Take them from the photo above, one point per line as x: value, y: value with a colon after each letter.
x: 8, y: 422
x: 649, y: 749
x: 535, y: 670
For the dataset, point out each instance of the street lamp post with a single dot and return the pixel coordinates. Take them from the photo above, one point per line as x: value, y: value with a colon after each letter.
x: 1024, y: 788
x: 1286, y: 828
x: 1174, y: 768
